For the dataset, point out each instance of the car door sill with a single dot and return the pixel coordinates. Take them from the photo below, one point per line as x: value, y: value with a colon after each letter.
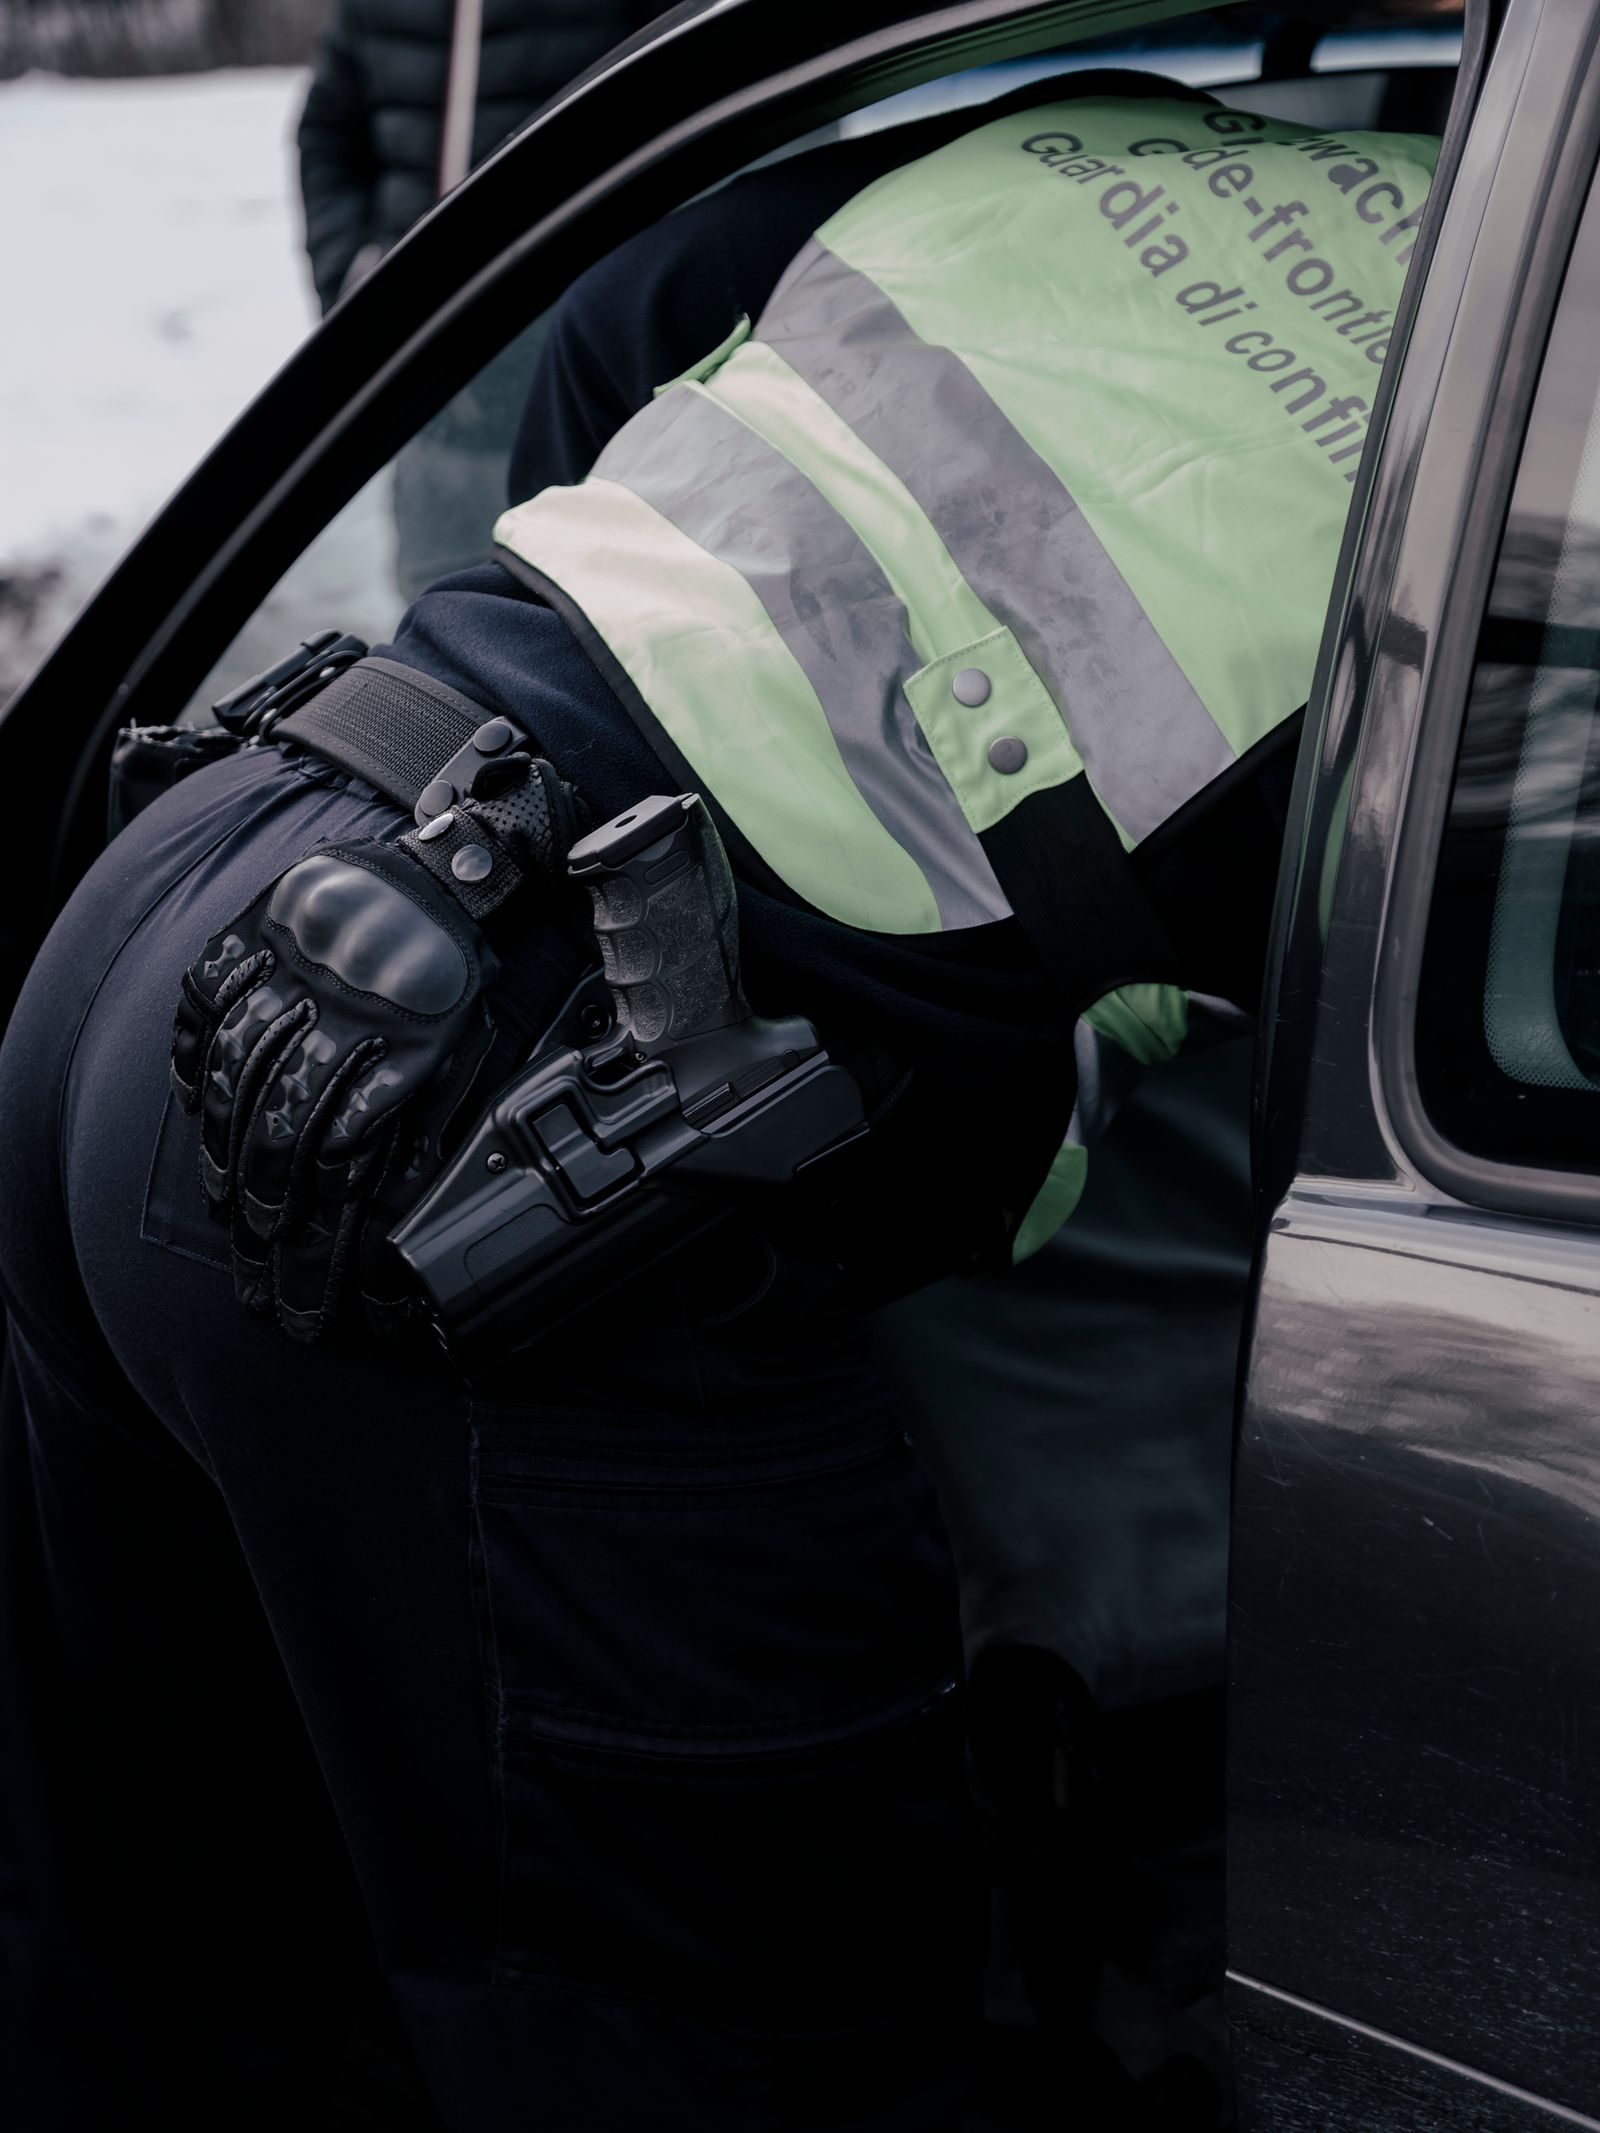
x: 1560, y: 2113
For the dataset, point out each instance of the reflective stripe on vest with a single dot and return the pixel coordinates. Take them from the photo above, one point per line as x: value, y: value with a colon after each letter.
x: 1072, y: 403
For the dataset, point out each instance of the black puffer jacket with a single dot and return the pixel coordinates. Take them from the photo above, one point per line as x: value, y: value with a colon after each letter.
x: 371, y: 130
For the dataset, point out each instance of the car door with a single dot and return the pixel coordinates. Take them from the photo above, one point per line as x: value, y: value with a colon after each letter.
x: 1415, y: 1604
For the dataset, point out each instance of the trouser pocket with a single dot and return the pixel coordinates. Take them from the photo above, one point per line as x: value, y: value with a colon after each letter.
x: 729, y: 1743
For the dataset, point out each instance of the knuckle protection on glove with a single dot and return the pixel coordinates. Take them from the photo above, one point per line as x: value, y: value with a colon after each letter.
x: 372, y: 935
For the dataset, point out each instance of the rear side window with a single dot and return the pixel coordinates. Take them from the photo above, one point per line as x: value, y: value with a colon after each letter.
x: 1508, y: 1023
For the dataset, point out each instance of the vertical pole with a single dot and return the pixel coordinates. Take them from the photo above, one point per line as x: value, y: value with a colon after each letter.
x: 460, y: 94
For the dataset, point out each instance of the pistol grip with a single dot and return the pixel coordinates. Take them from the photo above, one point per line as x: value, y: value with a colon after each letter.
x: 666, y: 920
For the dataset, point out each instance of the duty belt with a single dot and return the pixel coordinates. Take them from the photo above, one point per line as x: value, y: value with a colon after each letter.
x: 413, y: 739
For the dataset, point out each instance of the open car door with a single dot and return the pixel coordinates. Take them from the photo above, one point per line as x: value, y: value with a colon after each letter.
x: 1414, y: 1894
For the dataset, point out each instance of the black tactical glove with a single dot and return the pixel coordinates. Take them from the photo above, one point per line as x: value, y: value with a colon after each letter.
x: 351, y: 986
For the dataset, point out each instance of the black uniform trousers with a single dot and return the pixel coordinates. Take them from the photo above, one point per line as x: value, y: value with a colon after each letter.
x: 611, y: 1721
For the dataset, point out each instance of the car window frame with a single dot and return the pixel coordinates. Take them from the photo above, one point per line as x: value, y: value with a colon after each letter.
x: 1503, y: 1186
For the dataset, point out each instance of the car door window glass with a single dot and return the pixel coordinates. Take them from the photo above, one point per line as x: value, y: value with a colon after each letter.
x: 1508, y: 1024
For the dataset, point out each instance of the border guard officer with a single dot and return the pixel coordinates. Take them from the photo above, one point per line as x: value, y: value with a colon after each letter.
x: 970, y: 570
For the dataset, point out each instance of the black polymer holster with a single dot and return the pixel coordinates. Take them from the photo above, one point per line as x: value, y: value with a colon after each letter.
x: 598, y: 1159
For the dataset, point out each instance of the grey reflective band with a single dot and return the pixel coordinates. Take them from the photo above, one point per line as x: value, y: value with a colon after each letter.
x: 1013, y: 530
x: 737, y: 497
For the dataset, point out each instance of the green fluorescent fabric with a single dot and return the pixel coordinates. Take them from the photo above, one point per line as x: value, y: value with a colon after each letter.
x: 946, y: 621
x: 1150, y: 1022
x: 691, y: 635
x: 1073, y: 402
x: 943, y: 612
x: 1016, y: 534
x: 839, y: 617
x: 960, y: 735
x: 1183, y: 311
x: 1054, y: 1202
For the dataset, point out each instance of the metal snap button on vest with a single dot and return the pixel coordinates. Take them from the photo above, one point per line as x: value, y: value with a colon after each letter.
x: 437, y: 797
x: 471, y: 863
x: 971, y: 687
x: 492, y: 736
x: 1007, y: 754
x: 435, y: 828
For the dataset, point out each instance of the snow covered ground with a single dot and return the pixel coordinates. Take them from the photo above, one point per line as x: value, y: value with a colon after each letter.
x: 151, y: 257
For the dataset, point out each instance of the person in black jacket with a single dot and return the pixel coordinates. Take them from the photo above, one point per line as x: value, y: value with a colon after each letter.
x: 409, y: 94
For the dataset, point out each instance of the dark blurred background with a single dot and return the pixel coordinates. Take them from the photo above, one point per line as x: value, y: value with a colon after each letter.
x: 130, y: 37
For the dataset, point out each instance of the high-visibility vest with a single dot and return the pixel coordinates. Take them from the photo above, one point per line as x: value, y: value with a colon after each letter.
x: 1012, y: 524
